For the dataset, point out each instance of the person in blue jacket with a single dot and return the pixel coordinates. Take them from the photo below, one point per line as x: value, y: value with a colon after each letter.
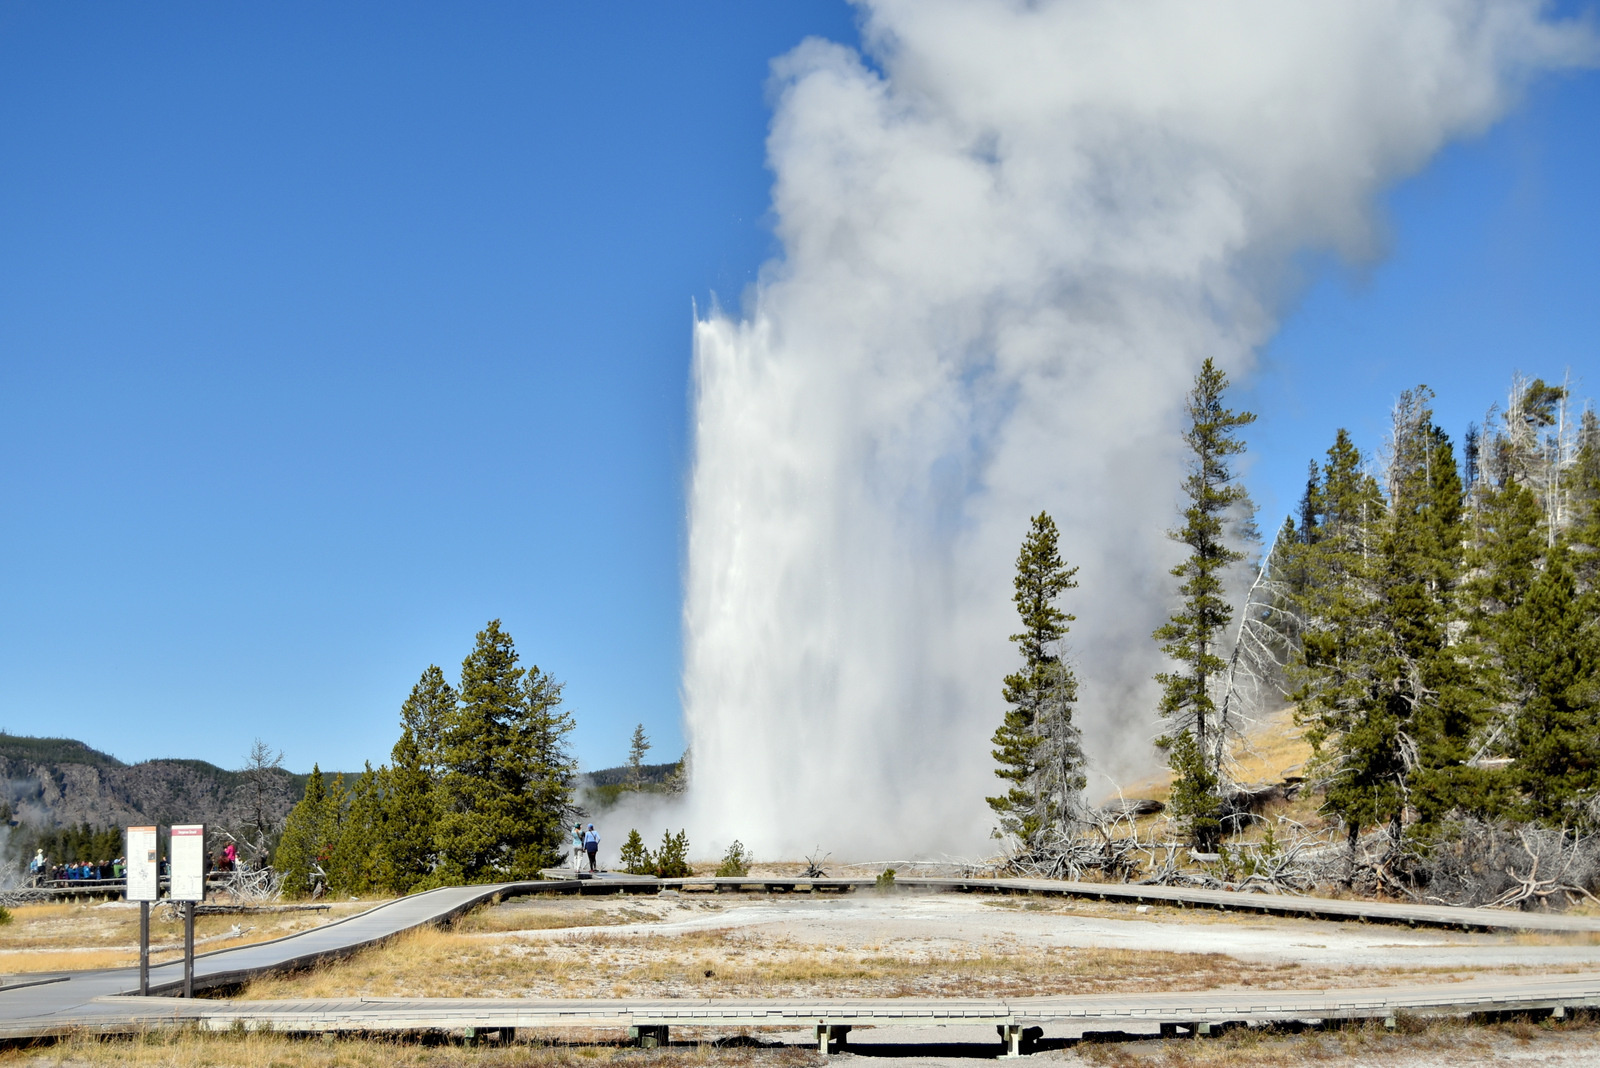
x: 591, y: 845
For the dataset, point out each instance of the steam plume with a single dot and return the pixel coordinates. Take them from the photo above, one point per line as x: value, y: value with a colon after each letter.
x: 1008, y: 244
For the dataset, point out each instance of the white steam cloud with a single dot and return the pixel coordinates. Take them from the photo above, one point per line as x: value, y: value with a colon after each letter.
x: 1009, y: 241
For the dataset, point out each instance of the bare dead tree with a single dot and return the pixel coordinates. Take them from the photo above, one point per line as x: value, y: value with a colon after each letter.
x: 1264, y: 643
x: 266, y: 794
x: 1495, y: 865
x: 814, y: 864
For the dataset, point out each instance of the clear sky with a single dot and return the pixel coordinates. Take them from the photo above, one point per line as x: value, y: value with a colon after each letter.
x: 328, y: 333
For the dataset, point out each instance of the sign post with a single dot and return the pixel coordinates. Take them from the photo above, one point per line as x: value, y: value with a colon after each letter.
x: 188, y: 858
x: 144, y: 886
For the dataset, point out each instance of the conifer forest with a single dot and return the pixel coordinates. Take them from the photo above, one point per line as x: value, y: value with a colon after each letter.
x: 1429, y: 613
x: 479, y: 788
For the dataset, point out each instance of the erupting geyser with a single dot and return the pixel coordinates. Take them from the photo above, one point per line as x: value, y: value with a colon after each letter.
x: 1009, y: 240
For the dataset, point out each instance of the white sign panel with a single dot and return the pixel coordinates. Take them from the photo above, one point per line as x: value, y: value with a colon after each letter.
x: 188, y: 856
x: 141, y: 864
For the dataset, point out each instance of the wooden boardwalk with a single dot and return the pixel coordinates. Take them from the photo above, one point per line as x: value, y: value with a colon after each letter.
x: 1189, y: 1012
x: 100, y: 1001
x: 1314, y: 908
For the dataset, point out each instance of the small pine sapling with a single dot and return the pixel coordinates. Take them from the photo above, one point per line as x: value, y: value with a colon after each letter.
x: 636, y: 859
x: 672, y: 858
x: 735, y: 862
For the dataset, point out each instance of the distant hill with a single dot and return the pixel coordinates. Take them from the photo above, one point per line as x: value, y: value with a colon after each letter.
x: 53, y: 751
x: 598, y: 791
x: 62, y: 782
x: 649, y: 775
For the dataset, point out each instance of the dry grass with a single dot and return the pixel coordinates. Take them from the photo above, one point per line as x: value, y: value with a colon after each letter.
x: 435, y: 963
x: 1439, y: 1041
x: 1273, y: 748
x: 188, y: 1049
x: 70, y: 937
x: 1415, y: 1043
x: 29, y: 962
x: 539, y: 915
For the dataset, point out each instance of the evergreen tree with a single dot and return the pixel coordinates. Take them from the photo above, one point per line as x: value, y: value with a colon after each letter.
x: 1424, y: 558
x: 1551, y: 656
x: 506, y: 785
x: 1340, y: 649
x: 1387, y: 694
x: 480, y: 790
x: 411, y: 813
x: 426, y: 713
x: 357, y: 853
x: 1506, y: 548
x: 636, y: 859
x: 636, y: 753
x: 1311, y: 506
x: 302, y: 843
x: 333, y: 812
x: 1504, y: 553
x: 1471, y: 452
x: 1036, y: 744
x: 1585, y: 482
x: 551, y: 775
x: 1217, y: 517
x: 1194, y: 792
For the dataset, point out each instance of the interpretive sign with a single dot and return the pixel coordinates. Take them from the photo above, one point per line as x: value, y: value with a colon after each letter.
x: 188, y: 857
x: 143, y: 878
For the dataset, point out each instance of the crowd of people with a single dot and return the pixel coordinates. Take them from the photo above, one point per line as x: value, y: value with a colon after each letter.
x: 40, y: 869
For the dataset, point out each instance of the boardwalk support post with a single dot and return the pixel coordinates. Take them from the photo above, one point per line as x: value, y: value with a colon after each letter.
x: 1558, y: 1012
x: 1388, y: 1022
x: 1011, y: 1035
x: 836, y: 1035
x: 648, y: 1036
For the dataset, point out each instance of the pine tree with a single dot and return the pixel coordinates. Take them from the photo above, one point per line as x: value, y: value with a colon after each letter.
x: 636, y: 859
x: 1037, y: 744
x: 1551, y: 656
x: 481, y: 790
x: 357, y: 853
x: 1505, y: 549
x: 636, y: 753
x: 1448, y: 704
x: 1311, y: 506
x: 426, y: 713
x: 333, y: 813
x: 410, y: 818
x: 1194, y: 792
x: 301, y: 843
x: 1387, y: 693
x: 1218, y: 517
x: 1340, y: 648
x: 506, y: 785
x: 1584, y: 478
x: 551, y: 776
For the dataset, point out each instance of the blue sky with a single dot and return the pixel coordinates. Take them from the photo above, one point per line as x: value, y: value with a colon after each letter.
x: 329, y: 333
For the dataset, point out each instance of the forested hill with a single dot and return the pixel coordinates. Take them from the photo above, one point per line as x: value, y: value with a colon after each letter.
x: 50, y: 782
